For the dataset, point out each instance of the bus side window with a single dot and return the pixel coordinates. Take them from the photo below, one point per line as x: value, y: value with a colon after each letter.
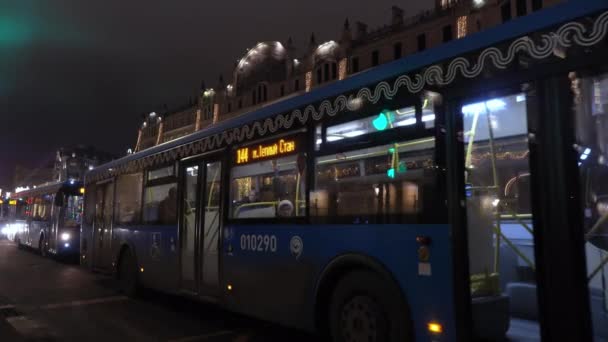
x: 160, y: 204
x: 128, y: 198
x: 269, y: 188
x: 381, y: 184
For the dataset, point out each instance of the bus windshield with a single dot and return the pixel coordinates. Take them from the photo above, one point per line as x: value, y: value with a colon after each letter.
x: 73, y: 211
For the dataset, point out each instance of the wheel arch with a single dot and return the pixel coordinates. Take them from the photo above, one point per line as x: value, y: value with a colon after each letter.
x: 335, y: 270
x: 124, y: 246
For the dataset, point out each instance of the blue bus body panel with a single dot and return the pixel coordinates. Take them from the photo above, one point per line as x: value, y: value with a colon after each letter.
x: 156, y: 250
x: 281, y: 286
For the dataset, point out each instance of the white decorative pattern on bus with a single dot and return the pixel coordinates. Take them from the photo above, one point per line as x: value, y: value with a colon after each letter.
x: 573, y: 33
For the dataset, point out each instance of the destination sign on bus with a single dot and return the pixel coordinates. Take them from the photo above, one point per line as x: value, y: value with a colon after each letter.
x: 263, y: 151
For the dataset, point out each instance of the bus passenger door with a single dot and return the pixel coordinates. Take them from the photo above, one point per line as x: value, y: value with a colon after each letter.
x: 499, y: 216
x: 200, y: 227
x: 188, y: 225
x: 102, y: 239
x: 211, y: 221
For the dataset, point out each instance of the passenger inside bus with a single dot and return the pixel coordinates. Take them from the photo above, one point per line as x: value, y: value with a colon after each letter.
x: 270, y: 188
x: 168, y: 207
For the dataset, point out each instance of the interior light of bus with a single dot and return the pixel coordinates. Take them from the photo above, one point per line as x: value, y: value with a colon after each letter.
x: 481, y: 107
x: 353, y: 134
x: 82, y: 191
x: 406, y: 122
x: 381, y: 122
x: 435, y: 328
x: 428, y: 117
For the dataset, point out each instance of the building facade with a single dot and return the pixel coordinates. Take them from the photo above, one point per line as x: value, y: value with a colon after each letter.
x: 273, y: 70
x: 69, y: 163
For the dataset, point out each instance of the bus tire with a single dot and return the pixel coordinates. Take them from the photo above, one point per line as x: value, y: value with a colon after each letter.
x: 128, y: 273
x: 364, y: 307
x: 42, y: 247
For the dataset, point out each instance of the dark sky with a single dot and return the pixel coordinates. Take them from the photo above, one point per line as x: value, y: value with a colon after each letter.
x: 82, y: 72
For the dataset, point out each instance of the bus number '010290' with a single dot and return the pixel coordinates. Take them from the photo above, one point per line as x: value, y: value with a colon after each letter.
x: 258, y: 243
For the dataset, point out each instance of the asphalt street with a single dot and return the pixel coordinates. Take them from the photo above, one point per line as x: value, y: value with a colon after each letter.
x: 48, y: 300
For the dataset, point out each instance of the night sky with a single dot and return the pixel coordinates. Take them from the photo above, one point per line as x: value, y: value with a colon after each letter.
x: 83, y: 71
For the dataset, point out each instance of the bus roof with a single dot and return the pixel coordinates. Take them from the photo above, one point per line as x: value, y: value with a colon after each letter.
x: 47, y: 188
x: 517, y: 27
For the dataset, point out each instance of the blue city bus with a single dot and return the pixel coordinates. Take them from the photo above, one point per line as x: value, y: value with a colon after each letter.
x: 458, y: 193
x: 48, y: 218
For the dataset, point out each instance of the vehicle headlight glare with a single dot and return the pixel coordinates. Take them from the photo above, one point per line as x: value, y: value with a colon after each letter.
x: 65, y: 236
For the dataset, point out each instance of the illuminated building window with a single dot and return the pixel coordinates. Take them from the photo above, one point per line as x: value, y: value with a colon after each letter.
x: 461, y: 24
x: 342, y: 69
x: 216, y: 112
x: 308, y: 81
x: 447, y: 3
x: 197, y: 125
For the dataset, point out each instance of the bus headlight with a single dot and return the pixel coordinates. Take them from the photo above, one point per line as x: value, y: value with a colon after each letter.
x: 65, y: 236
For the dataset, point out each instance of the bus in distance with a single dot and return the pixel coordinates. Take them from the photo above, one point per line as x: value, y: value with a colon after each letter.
x: 48, y: 218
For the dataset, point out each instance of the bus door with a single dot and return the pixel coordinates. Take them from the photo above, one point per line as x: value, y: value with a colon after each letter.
x: 200, y: 222
x: 494, y: 150
x: 102, y: 233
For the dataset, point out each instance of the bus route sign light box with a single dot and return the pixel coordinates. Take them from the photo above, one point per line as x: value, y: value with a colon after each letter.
x: 266, y: 150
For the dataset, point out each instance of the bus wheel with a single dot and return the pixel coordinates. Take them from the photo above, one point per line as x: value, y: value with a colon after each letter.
x: 127, y: 273
x: 42, y: 247
x: 365, y: 308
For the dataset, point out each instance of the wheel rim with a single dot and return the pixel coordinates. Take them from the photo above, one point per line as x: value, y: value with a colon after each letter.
x: 359, y: 320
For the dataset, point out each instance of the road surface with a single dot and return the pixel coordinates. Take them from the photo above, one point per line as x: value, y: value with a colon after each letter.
x: 47, y: 300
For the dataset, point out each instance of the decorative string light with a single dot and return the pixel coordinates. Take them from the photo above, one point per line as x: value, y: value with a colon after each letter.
x: 342, y: 69
x: 216, y: 112
x: 461, y: 25
x: 308, y: 81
